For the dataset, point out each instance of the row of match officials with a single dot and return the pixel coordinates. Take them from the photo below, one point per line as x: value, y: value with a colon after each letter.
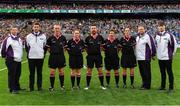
x: 135, y: 50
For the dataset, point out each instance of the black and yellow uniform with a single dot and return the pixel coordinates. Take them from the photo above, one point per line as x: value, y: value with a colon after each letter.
x: 111, y: 55
x: 94, y: 51
x: 75, y: 50
x: 56, y: 58
x: 128, y: 58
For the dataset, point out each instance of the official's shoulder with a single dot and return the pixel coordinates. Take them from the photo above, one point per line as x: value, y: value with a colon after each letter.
x: 169, y: 33
x: 106, y: 40
x: 100, y: 36
x: 30, y: 34
x: 147, y: 34
x: 43, y: 34
x: 117, y: 40
x: 63, y: 36
x: 6, y: 38
x: 70, y: 40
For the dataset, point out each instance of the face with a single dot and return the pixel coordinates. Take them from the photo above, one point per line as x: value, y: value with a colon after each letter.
x: 161, y: 28
x: 93, y: 29
x: 36, y: 28
x: 76, y: 35
x: 141, y: 30
x: 126, y: 31
x: 111, y: 35
x: 14, y: 31
x: 57, y: 29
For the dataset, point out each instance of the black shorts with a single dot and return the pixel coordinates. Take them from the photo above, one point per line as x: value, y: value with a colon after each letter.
x: 94, y: 59
x: 111, y: 63
x: 75, y: 62
x: 56, y: 61
x: 128, y: 61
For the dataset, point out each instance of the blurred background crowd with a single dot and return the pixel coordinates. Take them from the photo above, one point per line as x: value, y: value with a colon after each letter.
x: 92, y: 6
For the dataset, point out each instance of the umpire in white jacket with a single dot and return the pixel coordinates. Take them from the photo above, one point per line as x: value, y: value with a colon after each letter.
x: 12, y: 51
x: 35, y: 45
x: 145, y: 50
x: 166, y: 48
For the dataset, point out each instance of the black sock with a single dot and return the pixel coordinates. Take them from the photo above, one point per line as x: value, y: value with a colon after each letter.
x: 61, y: 78
x: 132, y: 80
x: 52, y: 79
x: 124, y: 79
x: 72, y: 80
x: 88, y: 79
x: 108, y: 79
x: 78, y: 78
x: 101, y: 78
x: 117, y: 79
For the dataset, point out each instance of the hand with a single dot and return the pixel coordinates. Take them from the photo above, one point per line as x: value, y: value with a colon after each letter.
x: 153, y: 58
x: 48, y: 49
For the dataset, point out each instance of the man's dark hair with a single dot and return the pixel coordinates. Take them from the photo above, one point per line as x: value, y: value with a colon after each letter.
x: 161, y: 23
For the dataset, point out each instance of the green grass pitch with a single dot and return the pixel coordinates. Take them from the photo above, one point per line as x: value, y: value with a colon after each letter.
x: 94, y: 96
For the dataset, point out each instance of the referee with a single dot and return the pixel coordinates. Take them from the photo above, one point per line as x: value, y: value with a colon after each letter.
x: 111, y: 60
x: 12, y: 51
x: 75, y: 49
x: 128, y: 58
x: 35, y: 44
x: 56, y: 44
x: 94, y: 43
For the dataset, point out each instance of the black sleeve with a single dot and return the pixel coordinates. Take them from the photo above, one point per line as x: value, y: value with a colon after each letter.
x: 69, y: 44
x: 46, y: 48
x: 83, y: 44
x: 102, y: 40
x: 133, y: 43
x: 65, y: 42
x: 48, y: 43
x: 86, y: 42
x: 120, y: 42
x: 27, y: 47
x: 105, y: 46
x: 117, y: 42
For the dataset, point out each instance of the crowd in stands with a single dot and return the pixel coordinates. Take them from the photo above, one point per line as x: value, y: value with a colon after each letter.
x: 92, y: 6
x: 104, y: 25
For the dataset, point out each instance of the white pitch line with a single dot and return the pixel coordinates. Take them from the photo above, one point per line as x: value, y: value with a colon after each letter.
x: 3, y: 69
x: 6, y: 68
